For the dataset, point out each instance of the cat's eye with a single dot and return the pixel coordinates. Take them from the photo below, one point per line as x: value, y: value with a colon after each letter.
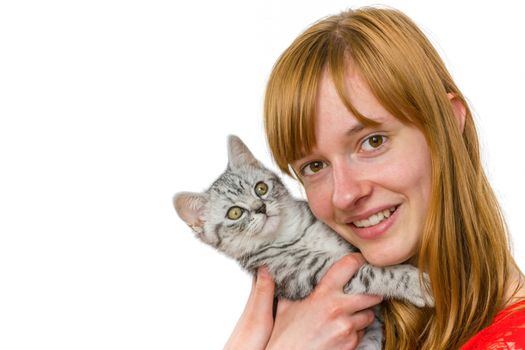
x: 313, y: 167
x: 234, y: 213
x: 261, y: 188
x: 373, y: 142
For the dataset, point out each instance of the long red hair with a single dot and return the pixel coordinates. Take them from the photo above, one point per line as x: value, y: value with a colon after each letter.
x: 464, y: 246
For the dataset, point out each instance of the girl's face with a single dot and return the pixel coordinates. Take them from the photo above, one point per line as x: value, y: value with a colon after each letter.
x: 369, y: 184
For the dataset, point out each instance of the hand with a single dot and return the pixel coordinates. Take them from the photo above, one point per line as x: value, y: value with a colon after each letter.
x: 327, y: 318
x: 255, y: 325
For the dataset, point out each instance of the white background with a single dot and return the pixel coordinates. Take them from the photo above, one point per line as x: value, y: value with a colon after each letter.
x: 110, y: 107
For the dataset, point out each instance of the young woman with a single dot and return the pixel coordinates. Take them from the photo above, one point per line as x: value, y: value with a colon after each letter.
x: 363, y: 111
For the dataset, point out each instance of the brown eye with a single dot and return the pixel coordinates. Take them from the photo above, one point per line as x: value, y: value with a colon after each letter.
x: 261, y: 188
x: 313, y: 167
x: 234, y: 213
x: 373, y: 142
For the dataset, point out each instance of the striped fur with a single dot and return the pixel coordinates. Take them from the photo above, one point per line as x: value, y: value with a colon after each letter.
x: 280, y: 232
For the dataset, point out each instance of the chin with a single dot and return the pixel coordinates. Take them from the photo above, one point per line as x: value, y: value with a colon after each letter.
x: 381, y: 258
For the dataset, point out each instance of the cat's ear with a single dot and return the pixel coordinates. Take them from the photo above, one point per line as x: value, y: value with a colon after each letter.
x: 190, y: 207
x: 239, y: 155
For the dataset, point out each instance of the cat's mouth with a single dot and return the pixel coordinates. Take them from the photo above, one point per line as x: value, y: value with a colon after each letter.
x: 271, y: 223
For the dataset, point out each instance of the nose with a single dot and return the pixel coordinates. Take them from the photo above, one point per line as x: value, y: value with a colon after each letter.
x: 350, y: 186
x: 261, y: 209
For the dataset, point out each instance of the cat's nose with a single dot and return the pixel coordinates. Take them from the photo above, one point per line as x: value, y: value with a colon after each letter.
x: 261, y: 209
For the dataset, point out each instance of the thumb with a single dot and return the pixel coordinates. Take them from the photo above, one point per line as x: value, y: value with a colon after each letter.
x: 255, y: 325
x: 262, y: 293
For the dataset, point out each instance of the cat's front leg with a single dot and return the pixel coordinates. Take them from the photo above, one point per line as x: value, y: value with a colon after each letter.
x: 399, y: 282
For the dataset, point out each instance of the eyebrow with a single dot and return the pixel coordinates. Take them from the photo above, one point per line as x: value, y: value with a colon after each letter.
x: 355, y: 129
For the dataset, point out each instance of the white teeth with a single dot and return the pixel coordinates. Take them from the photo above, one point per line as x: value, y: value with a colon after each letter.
x: 375, y: 219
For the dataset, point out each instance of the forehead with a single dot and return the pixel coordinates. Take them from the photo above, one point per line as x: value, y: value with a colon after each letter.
x: 336, y: 114
x: 231, y: 182
x: 353, y: 94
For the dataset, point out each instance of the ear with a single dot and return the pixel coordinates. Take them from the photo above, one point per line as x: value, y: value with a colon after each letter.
x: 460, y: 111
x: 239, y: 155
x: 190, y: 206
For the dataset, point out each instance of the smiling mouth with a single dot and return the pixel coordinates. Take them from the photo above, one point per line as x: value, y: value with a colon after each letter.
x: 375, y: 219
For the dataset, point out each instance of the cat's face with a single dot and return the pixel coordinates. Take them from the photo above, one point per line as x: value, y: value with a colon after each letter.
x: 241, y: 210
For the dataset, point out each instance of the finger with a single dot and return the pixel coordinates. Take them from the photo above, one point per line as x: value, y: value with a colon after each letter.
x: 283, y: 304
x: 342, y: 271
x: 361, y: 320
x: 261, y: 295
x: 360, y: 335
x: 359, y: 302
x: 254, y: 327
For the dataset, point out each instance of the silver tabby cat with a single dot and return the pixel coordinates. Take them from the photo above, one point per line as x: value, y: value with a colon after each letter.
x: 249, y: 215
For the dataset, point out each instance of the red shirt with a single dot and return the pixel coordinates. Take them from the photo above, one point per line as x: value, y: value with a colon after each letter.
x: 507, y: 332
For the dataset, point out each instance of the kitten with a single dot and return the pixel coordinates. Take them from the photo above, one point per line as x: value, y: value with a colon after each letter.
x: 249, y: 215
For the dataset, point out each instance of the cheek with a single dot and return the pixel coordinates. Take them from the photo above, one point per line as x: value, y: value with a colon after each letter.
x: 417, y: 173
x: 319, y: 202
x: 411, y: 177
x: 407, y: 178
x: 408, y: 170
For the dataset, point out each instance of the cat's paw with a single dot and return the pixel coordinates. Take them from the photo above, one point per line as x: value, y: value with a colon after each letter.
x: 417, y: 294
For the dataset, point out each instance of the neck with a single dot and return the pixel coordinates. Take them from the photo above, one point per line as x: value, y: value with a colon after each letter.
x: 516, y: 286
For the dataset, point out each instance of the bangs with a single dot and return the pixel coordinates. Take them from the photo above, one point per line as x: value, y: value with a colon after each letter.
x: 290, y: 101
x: 291, y: 95
x: 391, y: 54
